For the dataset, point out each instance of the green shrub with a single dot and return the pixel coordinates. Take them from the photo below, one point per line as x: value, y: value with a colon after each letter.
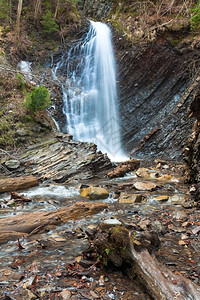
x: 195, y: 20
x: 38, y: 99
x: 48, y: 22
x: 4, y: 9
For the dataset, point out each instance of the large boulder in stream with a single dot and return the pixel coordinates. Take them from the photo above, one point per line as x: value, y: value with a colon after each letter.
x: 94, y: 193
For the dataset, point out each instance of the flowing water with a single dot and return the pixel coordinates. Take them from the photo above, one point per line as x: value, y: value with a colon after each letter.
x: 90, y: 91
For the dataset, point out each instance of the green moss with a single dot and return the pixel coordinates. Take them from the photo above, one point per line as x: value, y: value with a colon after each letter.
x: 4, y: 126
x: 195, y: 19
x: 174, y: 42
x: 116, y: 229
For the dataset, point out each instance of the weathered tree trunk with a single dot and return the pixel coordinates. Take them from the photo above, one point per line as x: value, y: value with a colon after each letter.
x: 115, y: 244
x: 159, y: 281
x: 37, y: 8
x: 19, y: 11
x: 123, y: 168
x: 32, y: 222
x: 17, y: 183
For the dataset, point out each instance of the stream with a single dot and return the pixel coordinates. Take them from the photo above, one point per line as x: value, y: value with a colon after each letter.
x: 52, y: 263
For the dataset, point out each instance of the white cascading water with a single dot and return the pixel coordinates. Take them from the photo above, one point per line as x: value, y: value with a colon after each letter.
x: 90, y: 93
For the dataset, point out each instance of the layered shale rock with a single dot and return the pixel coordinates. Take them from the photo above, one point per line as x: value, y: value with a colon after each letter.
x: 155, y: 89
x: 62, y: 159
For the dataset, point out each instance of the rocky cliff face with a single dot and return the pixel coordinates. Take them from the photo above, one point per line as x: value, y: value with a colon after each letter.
x: 97, y: 9
x: 192, y: 149
x: 155, y: 90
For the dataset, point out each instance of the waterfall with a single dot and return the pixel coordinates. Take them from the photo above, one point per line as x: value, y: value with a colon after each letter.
x: 90, y: 92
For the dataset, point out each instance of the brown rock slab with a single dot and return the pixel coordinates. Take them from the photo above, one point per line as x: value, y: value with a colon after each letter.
x: 161, y: 198
x: 131, y: 198
x: 144, y: 186
x: 17, y: 183
x: 165, y: 177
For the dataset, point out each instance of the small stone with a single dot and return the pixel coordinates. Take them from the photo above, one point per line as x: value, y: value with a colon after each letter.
x: 65, y: 294
x: 112, y: 222
x: 165, y: 167
x: 196, y: 230
x: 192, y: 189
x: 29, y: 295
x: 158, y: 227
x: 184, y: 236
x: 144, y: 223
x: 161, y: 198
x: 142, y: 186
x: 60, y: 239
x: 91, y: 226
x: 22, y: 132
x: 180, y: 215
x: 189, y: 204
x: 101, y: 281
x: 12, y: 164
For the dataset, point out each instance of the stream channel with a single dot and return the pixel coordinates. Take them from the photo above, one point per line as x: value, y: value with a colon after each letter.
x: 52, y: 264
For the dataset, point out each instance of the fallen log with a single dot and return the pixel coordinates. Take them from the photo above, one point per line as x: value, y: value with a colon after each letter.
x: 30, y: 222
x: 114, y: 243
x: 123, y: 168
x: 17, y: 183
x: 6, y: 236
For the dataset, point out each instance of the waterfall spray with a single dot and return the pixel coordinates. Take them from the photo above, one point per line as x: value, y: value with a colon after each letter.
x: 90, y: 93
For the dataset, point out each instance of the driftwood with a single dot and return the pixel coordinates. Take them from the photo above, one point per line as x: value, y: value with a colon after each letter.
x: 19, y: 198
x: 17, y: 183
x: 115, y: 244
x: 123, y: 168
x: 31, y: 222
x: 6, y: 236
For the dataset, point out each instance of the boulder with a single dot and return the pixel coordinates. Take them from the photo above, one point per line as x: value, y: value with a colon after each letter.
x: 143, y: 172
x: 94, y: 193
x: 22, y: 132
x: 144, y: 186
x: 12, y: 164
x: 131, y: 198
